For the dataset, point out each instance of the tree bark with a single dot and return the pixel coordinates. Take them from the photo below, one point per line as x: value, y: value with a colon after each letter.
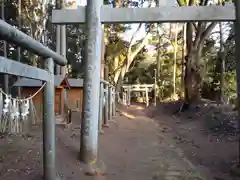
x: 221, y: 57
x: 183, y: 59
x: 192, y: 79
x: 218, y: 82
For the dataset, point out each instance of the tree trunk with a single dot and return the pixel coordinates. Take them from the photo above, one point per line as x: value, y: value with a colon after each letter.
x: 131, y: 55
x: 192, y: 79
x: 218, y: 82
x: 221, y: 57
x: 192, y: 76
x: 183, y: 59
x: 158, y: 49
x: 175, y: 60
x: 120, y: 80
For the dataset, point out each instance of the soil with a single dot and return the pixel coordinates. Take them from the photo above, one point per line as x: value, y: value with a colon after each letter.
x: 139, y: 144
x: 207, y: 133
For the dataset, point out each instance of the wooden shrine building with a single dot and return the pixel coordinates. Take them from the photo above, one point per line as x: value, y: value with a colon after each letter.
x: 68, y: 89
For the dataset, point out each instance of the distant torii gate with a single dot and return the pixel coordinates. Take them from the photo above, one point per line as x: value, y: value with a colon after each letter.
x: 144, y: 88
x: 95, y: 14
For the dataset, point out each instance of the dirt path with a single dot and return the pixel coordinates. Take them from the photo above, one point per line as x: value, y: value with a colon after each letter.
x: 132, y: 148
x: 142, y: 153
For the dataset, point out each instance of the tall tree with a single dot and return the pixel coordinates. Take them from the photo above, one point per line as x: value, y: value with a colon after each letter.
x: 35, y: 14
x: 196, y: 36
x: 122, y: 65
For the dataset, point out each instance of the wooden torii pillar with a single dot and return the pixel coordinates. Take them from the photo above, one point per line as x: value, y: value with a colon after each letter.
x: 98, y: 14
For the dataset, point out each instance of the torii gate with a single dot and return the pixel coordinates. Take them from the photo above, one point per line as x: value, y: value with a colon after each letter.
x: 95, y: 14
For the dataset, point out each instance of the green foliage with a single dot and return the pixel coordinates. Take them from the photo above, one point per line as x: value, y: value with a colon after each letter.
x: 75, y: 54
x: 210, y: 83
x: 231, y: 87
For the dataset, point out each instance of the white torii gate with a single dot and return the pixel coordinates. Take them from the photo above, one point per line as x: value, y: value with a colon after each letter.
x: 95, y: 14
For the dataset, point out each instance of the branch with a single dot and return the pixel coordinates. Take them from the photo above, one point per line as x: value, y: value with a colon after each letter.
x: 162, y: 46
x: 215, y: 32
x: 199, y: 32
x: 139, y: 48
x: 120, y: 66
x: 194, y: 25
x: 207, y: 32
x: 131, y: 55
x: 134, y: 35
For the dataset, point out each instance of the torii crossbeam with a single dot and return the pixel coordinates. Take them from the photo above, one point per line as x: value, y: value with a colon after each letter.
x: 95, y: 14
x: 109, y: 15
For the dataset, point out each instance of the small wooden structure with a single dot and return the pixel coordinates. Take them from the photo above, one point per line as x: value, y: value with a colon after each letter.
x: 68, y: 89
x: 30, y: 86
x: 75, y: 94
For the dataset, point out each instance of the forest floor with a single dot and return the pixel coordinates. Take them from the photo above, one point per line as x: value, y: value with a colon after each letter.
x: 143, y: 144
x: 207, y: 133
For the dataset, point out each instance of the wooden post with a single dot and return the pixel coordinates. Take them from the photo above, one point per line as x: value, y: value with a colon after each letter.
x: 129, y: 95
x: 124, y: 98
x: 1, y: 104
x: 155, y: 88
x: 31, y: 112
x: 147, y: 100
x: 28, y: 122
x: 110, y: 102
x: 114, y: 102
x: 105, y: 110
